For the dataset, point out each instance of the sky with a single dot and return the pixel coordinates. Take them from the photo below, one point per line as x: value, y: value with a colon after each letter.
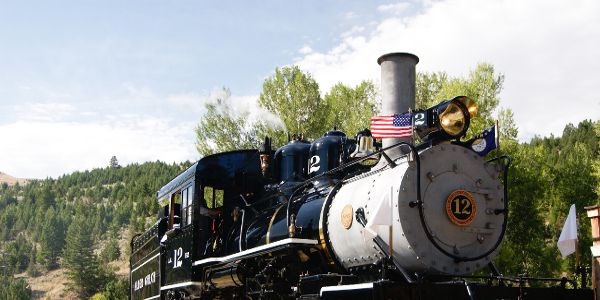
x: 81, y: 81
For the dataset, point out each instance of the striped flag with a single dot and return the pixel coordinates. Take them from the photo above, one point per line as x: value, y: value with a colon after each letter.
x: 396, y: 126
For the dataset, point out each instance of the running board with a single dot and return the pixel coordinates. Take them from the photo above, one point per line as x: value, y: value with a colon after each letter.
x: 256, y: 251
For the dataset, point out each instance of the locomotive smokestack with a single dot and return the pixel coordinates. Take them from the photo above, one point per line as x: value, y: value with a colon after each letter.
x: 397, y: 89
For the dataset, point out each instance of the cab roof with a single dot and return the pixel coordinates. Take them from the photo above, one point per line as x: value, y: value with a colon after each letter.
x: 235, y: 169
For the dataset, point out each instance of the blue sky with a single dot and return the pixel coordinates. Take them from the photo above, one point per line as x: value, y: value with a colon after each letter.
x: 169, y: 45
x: 81, y: 81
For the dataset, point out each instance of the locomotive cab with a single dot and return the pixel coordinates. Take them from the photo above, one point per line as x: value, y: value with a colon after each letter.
x: 197, y: 206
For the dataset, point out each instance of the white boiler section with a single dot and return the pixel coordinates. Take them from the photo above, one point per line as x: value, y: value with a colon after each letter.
x: 462, y: 211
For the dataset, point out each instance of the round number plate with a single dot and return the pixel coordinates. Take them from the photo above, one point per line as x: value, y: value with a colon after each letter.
x: 461, y: 207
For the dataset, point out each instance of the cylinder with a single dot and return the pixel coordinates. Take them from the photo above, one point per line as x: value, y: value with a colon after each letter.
x: 397, y: 90
x: 226, y: 277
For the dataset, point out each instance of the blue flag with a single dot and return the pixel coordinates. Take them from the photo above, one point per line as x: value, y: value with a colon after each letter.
x: 484, y: 142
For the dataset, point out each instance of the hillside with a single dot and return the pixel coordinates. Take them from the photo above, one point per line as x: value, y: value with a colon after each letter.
x: 10, y: 180
x: 38, y: 222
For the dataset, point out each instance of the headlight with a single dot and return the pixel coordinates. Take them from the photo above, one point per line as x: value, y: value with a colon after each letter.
x: 454, y: 119
x: 469, y: 104
x: 449, y: 119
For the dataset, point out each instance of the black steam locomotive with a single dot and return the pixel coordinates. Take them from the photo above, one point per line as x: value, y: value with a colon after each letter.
x: 337, y: 218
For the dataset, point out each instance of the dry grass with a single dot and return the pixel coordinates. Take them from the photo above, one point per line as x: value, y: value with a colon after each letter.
x: 10, y: 180
x: 51, y: 285
x: 54, y: 284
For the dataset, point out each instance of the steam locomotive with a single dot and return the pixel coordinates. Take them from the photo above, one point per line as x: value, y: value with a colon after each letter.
x: 338, y: 217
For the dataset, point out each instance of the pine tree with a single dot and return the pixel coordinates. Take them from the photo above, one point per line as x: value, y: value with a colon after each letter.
x: 32, y: 268
x: 114, y: 163
x: 51, y: 239
x: 14, y: 289
x: 111, y: 250
x: 81, y: 264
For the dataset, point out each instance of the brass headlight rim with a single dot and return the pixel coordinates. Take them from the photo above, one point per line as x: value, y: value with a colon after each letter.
x: 465, y: 113
x: 469, y: 104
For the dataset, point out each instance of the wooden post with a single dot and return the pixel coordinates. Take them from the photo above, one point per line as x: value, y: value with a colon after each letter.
x: 593, y: 212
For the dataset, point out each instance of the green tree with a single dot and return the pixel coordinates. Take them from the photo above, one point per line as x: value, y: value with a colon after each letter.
x: 547, y: 176
x: 111, y: 251
x: 52, y: 239
x: 527, y: 246
x: 508, y: 128
x: 32, y: 269
x: 114, y: 163
x: 294, y: 97
x: 16, y: 254
x: 116, y: 288
x: 351, y: 109
x: 221, y: 129
x: 596, y: 164
x: 79, y: 260
x: 14, y: 289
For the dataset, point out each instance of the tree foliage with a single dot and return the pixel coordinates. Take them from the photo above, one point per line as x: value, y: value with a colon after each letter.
x: 293, y: 96
x: 81, y: 264
x: 222, y: 129
x: 482, y: 84
x: 351, y: 109
x: 14, y: 289
x: 34, y: 218
x: 547, y: 176
x: 113, y: 163
x: 111, y: 251
x: 52, y: 239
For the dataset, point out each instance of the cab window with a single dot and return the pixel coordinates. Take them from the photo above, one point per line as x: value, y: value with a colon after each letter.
x: 213, y: 197
x: 174, y: 209
x: 187, y: 200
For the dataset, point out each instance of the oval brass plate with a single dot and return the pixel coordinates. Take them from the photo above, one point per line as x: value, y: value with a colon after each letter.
x: 461, y: 207
x: 347, y: 216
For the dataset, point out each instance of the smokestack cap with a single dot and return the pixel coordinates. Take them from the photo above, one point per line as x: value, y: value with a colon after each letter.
x: 397, y: 54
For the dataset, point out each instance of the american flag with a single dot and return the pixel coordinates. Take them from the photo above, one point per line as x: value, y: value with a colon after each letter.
x: 396, y: 126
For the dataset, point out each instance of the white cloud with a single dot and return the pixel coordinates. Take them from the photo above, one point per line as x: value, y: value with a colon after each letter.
x: 190, y: 101
x: 37, y: 149
x: 546, y: 49
x: 306, y: 49
x: 394, y: 8
x: 349, y: 15
x: 44, y: 111
x: 353, y: 31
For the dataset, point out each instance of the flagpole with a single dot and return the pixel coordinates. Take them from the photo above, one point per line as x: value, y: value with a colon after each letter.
x: 497, y: 133
x: 577, y: 254
x: 390, y: 232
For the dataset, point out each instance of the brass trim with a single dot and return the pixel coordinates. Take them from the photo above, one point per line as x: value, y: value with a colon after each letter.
x: 268, y: 239
x: 347, y: 216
